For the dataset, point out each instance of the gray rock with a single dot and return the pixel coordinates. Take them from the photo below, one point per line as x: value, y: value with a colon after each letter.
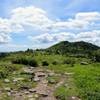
x: 52, y: 81
x: 32, y: 90
x: 7, y: 89
x: 84, y: 63
x: 36, y: 79
x: 6, y: 80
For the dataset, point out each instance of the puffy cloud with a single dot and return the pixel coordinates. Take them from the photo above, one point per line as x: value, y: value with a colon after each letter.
x: 88, y: 16
x: 30, y: 17
x: 26, y: 18
x: 81, y: 21
x: 22, y: 18
x: 56, y: 37
x: 90, y: 36
x: 4, y: 31
x: 4, y: 38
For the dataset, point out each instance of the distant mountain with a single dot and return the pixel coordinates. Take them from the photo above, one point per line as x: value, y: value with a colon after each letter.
x: 66, y: 47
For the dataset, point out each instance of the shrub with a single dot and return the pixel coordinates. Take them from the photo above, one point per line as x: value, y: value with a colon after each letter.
x: 26, y: 61
x: 54, y: 62
x: 96, y: 56
x: 45, y: 63
x: 69, y: 61
x: 3, y: 74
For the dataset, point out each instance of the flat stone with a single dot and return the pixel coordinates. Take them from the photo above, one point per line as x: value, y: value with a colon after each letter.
x: 51, y: 74
x: 24, y: 87
x: 32, y: 99
x: 40, y: 74
x: 30, y: 96
x: 84, y: 63
x: 26, y: 92
x: 9, y: 93
x: 18, y: 79
x: 32, y: 90
x: 68, y: 73
x: 7, y: 89
x: 36, y: 95
x: 36, y: 79
x: 6, y: 80
x: 52, y: 81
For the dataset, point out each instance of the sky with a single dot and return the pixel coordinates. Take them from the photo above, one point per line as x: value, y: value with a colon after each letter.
x: 41, y: 23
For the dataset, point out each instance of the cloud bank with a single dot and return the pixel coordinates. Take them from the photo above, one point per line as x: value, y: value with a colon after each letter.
x: 83, y: 26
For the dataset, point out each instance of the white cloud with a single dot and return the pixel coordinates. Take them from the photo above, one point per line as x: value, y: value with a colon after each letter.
x: 30, y: 17
x: 24, y: 18
x: 47, y: 38
x: 90, y: 36
x: 81, y: 21
x: 88, y: 16
x: 4, y: 38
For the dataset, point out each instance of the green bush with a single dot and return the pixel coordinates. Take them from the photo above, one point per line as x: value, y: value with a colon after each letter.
x: 26, y: 61
x: 69, y: 61
x: 3, y: 74
x: 55, y: 63
x: 45, y: 63
x: 96, y: 56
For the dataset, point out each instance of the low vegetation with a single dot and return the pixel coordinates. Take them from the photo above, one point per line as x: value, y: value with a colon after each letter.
x: 81, y: 70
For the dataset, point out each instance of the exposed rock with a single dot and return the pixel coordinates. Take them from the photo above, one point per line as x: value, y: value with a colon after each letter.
x: 30, y: 95
x: 40, y: 74
x: 44, y: 81
x: 36, y: 95
x: 68, y: 74
x: 26, y: 92
x: 6, y: 80
x: 52, y: 81
x: 74, y: 98
x: 28, y: 70
x: 66, y: 85
x: 9, y: 93
x: 51, y: 74
x: 32, y: 99
x: 32, y: 90
x: 18, y: 79
x: 24, y: 88
x: 84, y: 63
x: 36, y: 79
x: 7, y: 89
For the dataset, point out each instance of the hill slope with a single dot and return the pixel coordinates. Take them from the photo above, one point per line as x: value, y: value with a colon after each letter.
x: 66, y: 47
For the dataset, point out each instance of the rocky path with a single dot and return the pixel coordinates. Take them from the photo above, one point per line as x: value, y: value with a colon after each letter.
x: 43, y: 89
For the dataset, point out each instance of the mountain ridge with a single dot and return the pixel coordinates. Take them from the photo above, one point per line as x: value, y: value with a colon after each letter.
x: 79, y: 47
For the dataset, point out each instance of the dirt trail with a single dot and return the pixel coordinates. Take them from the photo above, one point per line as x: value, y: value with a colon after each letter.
x: 46, y: 91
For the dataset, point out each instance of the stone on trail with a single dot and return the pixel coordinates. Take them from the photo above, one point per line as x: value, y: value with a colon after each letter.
x: 32, y: 90
x: 7, y: 89
x: 36, y: 79
x: 6, y: 80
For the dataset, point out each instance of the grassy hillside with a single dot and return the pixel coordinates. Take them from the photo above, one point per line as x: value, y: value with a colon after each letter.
x: 67, y: 77
x: 79, y: 48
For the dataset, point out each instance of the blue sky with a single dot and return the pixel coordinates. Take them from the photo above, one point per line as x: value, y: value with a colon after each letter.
x: 41, y: 23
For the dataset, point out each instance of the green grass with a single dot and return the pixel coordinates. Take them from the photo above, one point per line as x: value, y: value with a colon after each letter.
x: 85, y: 82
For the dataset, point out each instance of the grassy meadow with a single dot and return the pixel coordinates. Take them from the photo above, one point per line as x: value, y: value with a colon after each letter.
x: 82, y: 80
